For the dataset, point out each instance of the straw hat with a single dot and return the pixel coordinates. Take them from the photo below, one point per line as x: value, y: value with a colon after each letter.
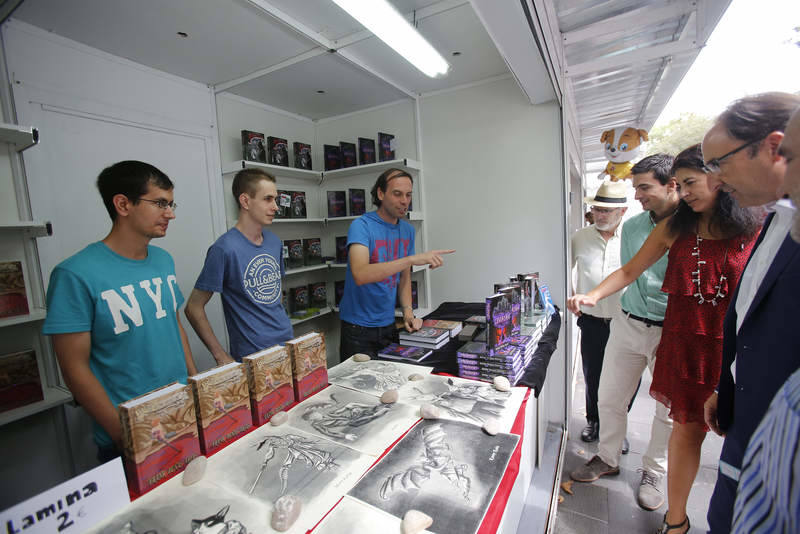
x: 610, y: 195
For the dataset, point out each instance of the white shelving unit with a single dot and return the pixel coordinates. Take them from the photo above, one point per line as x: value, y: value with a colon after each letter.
x: 322, y: 312
x: 53, y: 396
x: 36, y: 314
x: 306, y: 269
x: 405, y: 164
x: 32, y: 228
x: 21, y: 137
x: 277, y: 170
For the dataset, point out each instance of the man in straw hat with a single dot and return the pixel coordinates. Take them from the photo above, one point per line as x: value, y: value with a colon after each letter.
x: 595, y: 255
x: 634, y: 337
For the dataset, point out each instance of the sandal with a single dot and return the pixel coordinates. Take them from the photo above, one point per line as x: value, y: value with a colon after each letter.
x: 666, y: 527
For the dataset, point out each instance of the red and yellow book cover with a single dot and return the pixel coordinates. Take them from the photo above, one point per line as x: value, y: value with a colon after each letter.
x: 20, y: 383
x: 269, y: 375
x: 309, y: 364
x: 159, y: 432
x: 222, y: 403
x: 13, y: 297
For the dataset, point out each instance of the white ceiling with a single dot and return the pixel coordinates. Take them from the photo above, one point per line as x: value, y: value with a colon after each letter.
x: 284, y: 42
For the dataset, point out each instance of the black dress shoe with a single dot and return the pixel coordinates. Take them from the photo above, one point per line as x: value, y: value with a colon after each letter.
x: 590, y: 432
x: 626, y: 447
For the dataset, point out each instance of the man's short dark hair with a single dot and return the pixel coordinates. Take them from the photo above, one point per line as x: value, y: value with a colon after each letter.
x: 659, y: 164
x: 383, y: 181
x: 129, y: 178
x: 753, y: 118
x: 246, y: 181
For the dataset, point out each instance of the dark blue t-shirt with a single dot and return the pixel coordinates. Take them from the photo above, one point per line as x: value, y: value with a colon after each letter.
x: 373, y: 304
x: 248, y: 276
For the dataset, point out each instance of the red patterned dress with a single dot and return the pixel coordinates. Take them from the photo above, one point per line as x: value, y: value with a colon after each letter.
x: 701, y: 276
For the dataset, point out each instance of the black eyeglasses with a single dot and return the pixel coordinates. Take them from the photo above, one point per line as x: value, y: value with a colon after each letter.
x: 161, y: 203
x: 712, y: 165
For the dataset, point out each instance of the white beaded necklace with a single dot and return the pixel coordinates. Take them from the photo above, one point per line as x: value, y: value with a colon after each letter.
x: 718, y: 288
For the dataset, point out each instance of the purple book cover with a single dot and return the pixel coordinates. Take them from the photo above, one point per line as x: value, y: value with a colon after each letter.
x: 498, y: 320
x: 341, y: 249
x: 333, y: 157
x: 366, y: 151
x: 348, y: 154
x: 336, y: 204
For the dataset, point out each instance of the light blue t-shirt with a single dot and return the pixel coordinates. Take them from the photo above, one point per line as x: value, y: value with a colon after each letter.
x: 373, y: 304
x: 644, y: 296
x: 130, y: 309
x: 248, y: 276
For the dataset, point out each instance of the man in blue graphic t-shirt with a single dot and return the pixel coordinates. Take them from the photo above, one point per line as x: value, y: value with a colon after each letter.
x: 380, y: 255
x: 112, y: 307
x: 245, y: 266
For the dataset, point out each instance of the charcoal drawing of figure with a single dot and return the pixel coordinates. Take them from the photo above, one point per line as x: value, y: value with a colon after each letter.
x: 213, y: 524
x: 298, y: 449
x: 374, y: 376
x: 476, y: 403
x: 437, y: 456
x: 339, y: 421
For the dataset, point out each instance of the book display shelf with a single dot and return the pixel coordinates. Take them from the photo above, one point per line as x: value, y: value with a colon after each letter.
x: 30, y: 381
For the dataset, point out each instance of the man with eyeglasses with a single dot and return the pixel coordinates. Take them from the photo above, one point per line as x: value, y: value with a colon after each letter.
x: 761, y: 346
x: 633, y: 340
x: 245, y: 265
x: 595, y: 255
x: 112, y: 307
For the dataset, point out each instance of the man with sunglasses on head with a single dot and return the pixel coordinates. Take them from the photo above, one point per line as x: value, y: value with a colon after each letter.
x: 112, y: 307
x: 761, y: 346
x: 595, y: 255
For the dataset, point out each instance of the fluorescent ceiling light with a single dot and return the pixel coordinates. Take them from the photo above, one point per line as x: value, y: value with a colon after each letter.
x: 383, y: 20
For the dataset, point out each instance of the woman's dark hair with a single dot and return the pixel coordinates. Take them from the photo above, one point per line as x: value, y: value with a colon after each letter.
x: 383, y: 180
x: 728, y: 218
x: 129, y: 178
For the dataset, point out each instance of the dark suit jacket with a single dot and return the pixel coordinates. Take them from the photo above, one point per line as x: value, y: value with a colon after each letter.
x: 766, y: 348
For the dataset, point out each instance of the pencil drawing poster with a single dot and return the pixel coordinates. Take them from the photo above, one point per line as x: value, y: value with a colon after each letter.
x: 353, y: 419
x: 449, y: 470
x: 353, y: 516
x: 200, y: 508
x: 373, y: 377
x: 461, y: 399
x: 274, y: 461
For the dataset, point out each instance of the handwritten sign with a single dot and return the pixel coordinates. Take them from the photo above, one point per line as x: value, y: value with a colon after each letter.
x: 74, y: 506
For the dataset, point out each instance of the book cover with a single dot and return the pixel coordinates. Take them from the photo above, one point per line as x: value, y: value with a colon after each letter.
x: 336, y: 204
x: 404, y: 353
x: 318, y: 294
x: 253, y: 147
x: 333, y: 157
x: 222, y: 405
x: 348, y: 154
x: 13, y: 297
x: 20, y: 383
x: 294, y: 248
x: 526, y: 286
x: 385, y: 146
x: 366, y: 151
x: 298, y: 205
x: 284, y: 202
x: 159, y: 434
x: 298, y: 301
x: 479, y: 320
x: 309, y: 364
x: 338, y: 291
x: 302, y: 156
x: 514, y: 294
x: 312, y: 251
x: 341, y: 249
x: 269, y: 377
x: 358, y: 201
x: 454, y: 327
x: 277, y: 151
x: 498, y: 320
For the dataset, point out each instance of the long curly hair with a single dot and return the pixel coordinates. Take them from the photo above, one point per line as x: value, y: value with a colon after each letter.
x: 728, y: 219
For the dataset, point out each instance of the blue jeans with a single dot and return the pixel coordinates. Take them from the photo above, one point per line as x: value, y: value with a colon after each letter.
x: 369, y: 340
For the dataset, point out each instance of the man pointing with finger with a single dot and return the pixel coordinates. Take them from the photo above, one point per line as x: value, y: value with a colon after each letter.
x: 380, y: 256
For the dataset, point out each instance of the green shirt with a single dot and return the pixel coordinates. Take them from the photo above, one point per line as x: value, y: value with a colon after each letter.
x: 644, y: 296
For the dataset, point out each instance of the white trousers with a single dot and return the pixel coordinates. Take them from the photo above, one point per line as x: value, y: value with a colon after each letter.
x: 631, y: 347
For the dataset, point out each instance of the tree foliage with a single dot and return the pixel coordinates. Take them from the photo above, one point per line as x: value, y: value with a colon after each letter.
x: 678, y: 134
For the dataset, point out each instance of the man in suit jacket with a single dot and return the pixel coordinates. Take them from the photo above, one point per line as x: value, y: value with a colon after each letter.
x: 761, y: 347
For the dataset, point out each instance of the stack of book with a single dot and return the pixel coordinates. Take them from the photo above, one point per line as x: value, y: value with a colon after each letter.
x: 309, y: 364
x: 476, y: 361
x: 426, y: 337
x: 454, y: 327
x: 404, y: 353
x: 526, y: 344
x: 269, y: 377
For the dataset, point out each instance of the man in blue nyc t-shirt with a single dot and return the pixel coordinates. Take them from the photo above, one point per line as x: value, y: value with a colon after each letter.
x: 245, y: 265
x: 112, y: 307
x: 380, y: 255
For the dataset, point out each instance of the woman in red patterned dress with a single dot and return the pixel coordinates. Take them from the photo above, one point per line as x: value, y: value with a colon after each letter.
x: 709, y: 239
